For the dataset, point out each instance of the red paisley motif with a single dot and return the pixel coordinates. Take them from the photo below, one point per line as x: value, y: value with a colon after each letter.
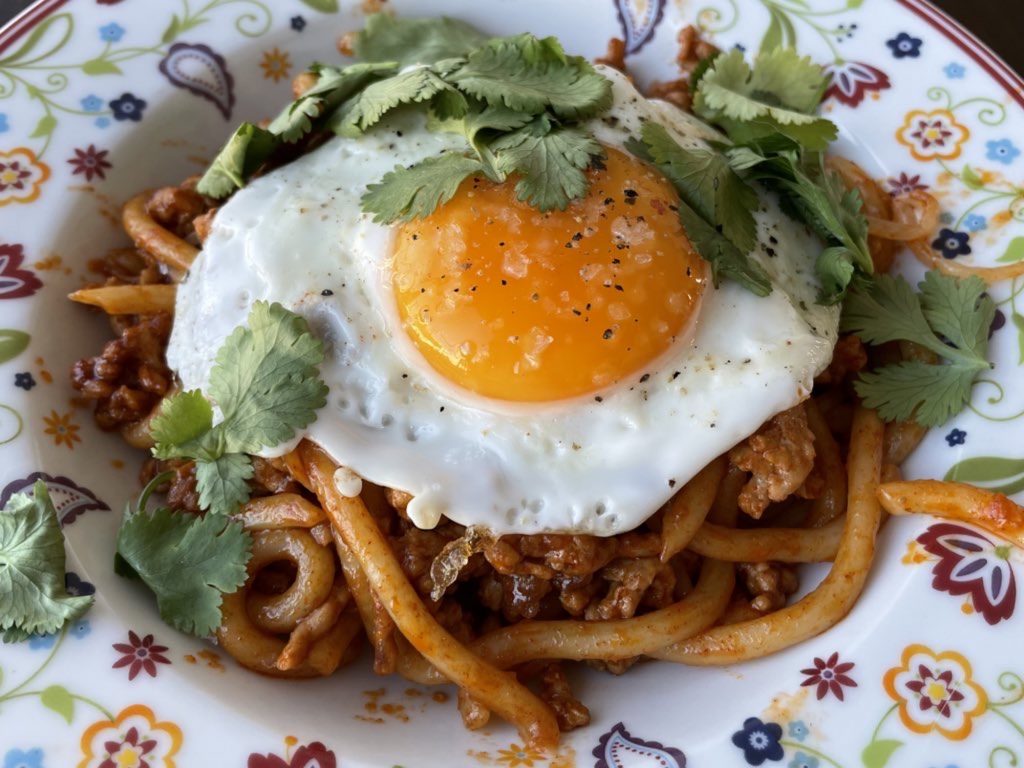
x: 969, y: 563
x: 15, y: 282
x: 853, y: 80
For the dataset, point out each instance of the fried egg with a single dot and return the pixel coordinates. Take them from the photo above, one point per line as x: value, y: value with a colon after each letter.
x: 516, y: 370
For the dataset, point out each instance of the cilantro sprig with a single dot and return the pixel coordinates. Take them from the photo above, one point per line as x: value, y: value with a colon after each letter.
x: 33, y: 598
x: 716, y: 206
x: 266, y: 385
x: 519, y: 101
x: 767, y: 111
x: 948, y: 317
x: 188, y: 561
x: 775, y: 97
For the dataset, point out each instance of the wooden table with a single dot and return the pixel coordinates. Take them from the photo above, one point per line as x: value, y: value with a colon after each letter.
x: 1000, y: 23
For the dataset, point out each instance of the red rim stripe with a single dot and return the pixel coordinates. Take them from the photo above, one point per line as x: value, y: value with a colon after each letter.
x: 26, y: 21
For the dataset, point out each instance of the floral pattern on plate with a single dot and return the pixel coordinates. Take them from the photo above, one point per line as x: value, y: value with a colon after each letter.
x: 81, y: 80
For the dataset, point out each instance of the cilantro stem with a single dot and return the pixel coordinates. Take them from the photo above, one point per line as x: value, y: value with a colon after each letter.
x: 56, y: 646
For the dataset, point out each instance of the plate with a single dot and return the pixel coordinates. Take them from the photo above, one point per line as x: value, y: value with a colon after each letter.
x: 99, y: 98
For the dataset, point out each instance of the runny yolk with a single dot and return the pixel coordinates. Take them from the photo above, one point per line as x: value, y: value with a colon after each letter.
x: 515, y: 304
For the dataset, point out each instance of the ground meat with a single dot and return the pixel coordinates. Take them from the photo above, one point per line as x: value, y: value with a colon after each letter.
x: 769, y: 584
x: 693, y: 49
x: 780, y: 457
x: 615, y: 56
x: 181, y: 492
x: 268, y: 479
x: 555, y: 691
x: 515, y: 597
x: 629, y: 581
x: 416, y: 550
x: 129, y: 377
x: 850, y: 357
x: 203, y: 223
x: 673, y: 91
x: 176, y: 207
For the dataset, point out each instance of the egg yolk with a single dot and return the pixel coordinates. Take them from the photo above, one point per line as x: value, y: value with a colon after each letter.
x: 516, y: 304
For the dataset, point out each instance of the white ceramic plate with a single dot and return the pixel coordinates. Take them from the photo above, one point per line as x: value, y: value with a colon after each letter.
x: 99, y: 98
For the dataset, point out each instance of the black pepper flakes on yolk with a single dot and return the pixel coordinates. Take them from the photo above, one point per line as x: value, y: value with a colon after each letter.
x: 489, y: 289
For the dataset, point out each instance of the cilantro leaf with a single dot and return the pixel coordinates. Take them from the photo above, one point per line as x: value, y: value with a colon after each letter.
x: 707, y: 184
x: 414, y: 192
x: 266, y: 384
x: 188, y: 562
x: 248, y: 148
x: 222, y: 483
x: 727, y: 261
x: 778, y: 94
x: 415, y: 41
x: 949, y: 317
x: 33, y: 599
x: 959, y: 311
x: 366, y: 108
x: 527, y: 74
x: 550, y: 161
x: 820, y: 199
x: 180, y: 425
x: 332, y: 88
x: 913, y: 390
x: 265, y: 380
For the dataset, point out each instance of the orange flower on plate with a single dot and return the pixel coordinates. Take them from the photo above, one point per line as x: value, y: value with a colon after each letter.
x: 62, y: 429
x: 935, y: 692
x: 132, y: 740
x: 21, y: 176
x: 518, y: 757
x: 933, y: 135
x: 276, y: 64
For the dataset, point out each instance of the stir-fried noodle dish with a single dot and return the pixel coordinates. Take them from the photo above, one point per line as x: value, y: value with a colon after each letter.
x: 493, y: 359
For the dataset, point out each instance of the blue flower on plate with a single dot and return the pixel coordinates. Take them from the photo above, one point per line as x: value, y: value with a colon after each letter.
x: 956, y: 437
x: 803, y: 760
x: 21, y: 758
x: 92, y: 103
x: 80, y: 629
x: 102, y: 122
x: 77, y: 586
x: 798, y: 730
x: 42, y: 642
x: 975, y: 223
x: 759, y: 741
x: 1002, y: 151
x: 298, y: 23
x: 24, y: 381
x: 111, y: 33
x: 128, y: 107
x: 905, y: 46
x: 955, y: 71
x: 952, y: 243
x: 4, y: 127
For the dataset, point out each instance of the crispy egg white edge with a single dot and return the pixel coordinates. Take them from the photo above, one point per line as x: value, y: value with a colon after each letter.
x: 580, y: 466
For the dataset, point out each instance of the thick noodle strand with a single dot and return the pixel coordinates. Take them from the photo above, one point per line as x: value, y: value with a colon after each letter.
x: 992, y: 511
x: 498, y: 691
x: 834, y: 597
x: 163, y: 245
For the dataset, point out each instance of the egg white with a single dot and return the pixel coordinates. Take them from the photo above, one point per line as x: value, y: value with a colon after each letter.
x: 297, y: 236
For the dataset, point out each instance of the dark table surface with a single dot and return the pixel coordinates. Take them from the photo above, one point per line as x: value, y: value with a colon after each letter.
x: 998, y: 22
